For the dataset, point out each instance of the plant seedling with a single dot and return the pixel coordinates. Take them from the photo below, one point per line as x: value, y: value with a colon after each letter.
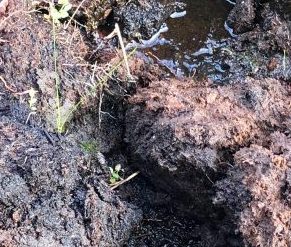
x: 114, y: 174
x: 32, y: 99
x: 60, y: 13
x: 89, y: 146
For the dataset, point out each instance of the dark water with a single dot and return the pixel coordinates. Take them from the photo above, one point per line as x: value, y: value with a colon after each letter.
x: 287, y: 10
x: 192, y: 44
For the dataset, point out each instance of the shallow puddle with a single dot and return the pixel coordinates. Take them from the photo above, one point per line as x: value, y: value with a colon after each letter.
x: 192, y: 44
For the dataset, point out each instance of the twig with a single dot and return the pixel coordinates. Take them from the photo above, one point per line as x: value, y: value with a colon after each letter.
x: 16, y: 12
x: 117, y: 32
x: 29, y: 115
x: 100, y: 107
x: 107, y: 113
x: 78, y: 64
x: 154, y: 220
x: 69, y: 22
x: 22, y: 93
x: 208, y: 178
x: 6, y: 85
x: 93, y: 73
x: 25, y: 159
x: 116, y: 185
x: 49, y: 138
x: 4, y: 41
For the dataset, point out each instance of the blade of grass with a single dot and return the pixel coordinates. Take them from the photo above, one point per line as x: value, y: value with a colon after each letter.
x: 73, y: 15
x: 99, y: 85
x: 57, y: 80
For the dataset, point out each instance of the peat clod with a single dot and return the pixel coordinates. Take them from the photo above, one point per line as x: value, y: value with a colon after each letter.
x: 188, y: 139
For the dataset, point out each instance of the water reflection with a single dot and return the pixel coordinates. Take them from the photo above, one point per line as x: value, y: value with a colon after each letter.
x: 192, y: 44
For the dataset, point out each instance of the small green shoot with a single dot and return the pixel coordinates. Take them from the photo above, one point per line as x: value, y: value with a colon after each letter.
x: 114, y: 174
x: 57, y: 14
x: 89, y: 147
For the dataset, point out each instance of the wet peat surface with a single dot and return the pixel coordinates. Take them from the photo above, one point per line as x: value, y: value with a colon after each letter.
x: 43, y: 203
x: 165, y: 223
x: 57, y: 180
x: 198, y: 45
x: 192, y: 46
x: 205, y: 44
x: 194, y: 43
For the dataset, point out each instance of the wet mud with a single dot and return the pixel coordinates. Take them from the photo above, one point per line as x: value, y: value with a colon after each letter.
x: 192, y: 139
x: 186, y: 139
x: 264, y: 51
x: 224, y: 42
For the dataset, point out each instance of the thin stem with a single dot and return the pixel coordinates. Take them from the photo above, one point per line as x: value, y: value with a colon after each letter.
x: 123, y: 50
x: 57, y: 80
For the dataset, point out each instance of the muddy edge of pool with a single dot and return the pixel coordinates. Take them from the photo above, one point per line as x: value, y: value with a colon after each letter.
x: 54, y: 187
x: 223, y: 148
x: 263, y: 46
x: 226, y: 147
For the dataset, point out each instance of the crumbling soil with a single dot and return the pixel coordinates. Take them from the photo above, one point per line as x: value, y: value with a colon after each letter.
x: 48, y: 197
x: 216, y: 148
x: 214, y: 159
x: 186, y: 137
x: 53, y: 192
x: 143, y: 18
x: 262, y: 48
x: 257, y: 191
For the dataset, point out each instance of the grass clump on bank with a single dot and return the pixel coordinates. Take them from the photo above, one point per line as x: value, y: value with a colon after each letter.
x: 57, y: 13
